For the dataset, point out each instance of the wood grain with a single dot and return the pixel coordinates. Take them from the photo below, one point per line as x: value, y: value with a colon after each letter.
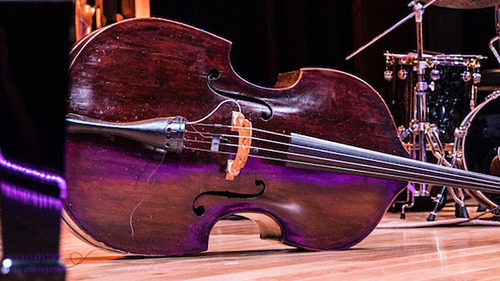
x: 237, y: 253
x: 132, y: 198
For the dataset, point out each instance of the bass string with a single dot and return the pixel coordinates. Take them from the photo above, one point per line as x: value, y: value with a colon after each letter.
x: 445, y: 175
x: 417, y: 177
x: 492, y: 181
x: 373, y: 161
x: 356, y: 168
x: 359, y: 166
x: 462, y: 178
x: 377, y: 162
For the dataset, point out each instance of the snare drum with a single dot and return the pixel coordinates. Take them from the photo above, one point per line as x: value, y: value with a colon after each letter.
x: 451, y: 93
x: 477, y: 142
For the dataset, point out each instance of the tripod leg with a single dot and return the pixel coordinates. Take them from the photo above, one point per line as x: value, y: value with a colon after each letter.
x: 411, y: 194
x: 438, y: 201
x: 461, y: 211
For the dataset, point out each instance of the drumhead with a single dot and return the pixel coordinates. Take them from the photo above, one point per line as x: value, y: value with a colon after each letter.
x: 482, y: 139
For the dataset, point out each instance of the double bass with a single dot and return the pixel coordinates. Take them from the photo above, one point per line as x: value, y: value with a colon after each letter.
x: 165, y: 139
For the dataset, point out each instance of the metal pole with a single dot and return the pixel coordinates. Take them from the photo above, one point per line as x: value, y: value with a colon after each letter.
x: 420, y: 91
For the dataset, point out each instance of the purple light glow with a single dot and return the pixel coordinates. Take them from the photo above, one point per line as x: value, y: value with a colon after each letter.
x: 29, y: 198
x: 37, y: 175
x: 33, y: 257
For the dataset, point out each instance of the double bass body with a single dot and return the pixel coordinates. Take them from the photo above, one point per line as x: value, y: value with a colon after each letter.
x: 131, y: 197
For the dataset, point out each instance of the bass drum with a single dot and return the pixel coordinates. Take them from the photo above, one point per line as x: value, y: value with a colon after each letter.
x: 477, y: 142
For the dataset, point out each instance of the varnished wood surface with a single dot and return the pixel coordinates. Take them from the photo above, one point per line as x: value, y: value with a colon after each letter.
x: 236, y: 253
x: 147, y: 68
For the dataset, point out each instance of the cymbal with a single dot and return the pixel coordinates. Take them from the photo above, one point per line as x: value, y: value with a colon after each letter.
x: 465, y: 4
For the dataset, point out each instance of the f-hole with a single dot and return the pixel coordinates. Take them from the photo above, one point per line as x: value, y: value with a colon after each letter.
x: 200, y: 210
x: 215, y: 74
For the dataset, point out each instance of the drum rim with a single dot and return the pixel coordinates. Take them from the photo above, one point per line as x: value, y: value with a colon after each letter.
x: 468, y: 119
x: 465, y: 127
x: 433, y: 60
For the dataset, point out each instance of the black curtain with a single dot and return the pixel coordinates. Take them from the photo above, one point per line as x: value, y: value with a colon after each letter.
x: 274, y: 36
x: 271, y: 37
x: 461, y: 31
x: 35, y: 39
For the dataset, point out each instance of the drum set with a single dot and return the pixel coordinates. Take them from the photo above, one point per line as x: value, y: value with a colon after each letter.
x: 434, y: 98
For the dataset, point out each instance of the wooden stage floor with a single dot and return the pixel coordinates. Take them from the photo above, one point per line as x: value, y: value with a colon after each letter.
x: 237, y: 253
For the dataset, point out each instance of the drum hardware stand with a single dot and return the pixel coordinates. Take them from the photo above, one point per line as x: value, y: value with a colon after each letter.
x: 460, y: 209
x: 421, y: 131
x: 439, y: 152
x: 410, y: 195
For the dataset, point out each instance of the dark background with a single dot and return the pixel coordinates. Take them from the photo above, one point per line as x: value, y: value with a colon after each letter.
x: 35, y: 38
x: 273, y: 36
x: 269, y: 37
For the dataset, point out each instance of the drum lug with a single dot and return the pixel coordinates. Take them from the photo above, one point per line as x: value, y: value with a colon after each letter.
x: 466, y: 76
x: 435, y: 74
x: 402, y: 74
x: 388, y: 75
x: 476, y: 77
x: 460, y: 132
x: 493, y: 95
